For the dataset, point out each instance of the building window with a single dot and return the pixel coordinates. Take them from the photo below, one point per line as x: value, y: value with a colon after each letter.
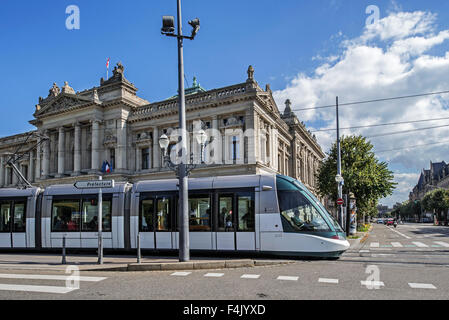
x: 235, y: 148
x: 145, y: 159
x: 112, y: 156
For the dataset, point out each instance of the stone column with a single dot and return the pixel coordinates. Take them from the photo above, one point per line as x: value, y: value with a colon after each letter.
x: 138, y: 158
x: 37, y: 173
x: 252, y: 134
x: 156, y: 149
x: 6, y: 175
x: 2, y: 171
x: 31, y: 167
x: 15, y: 179
x: 121, y: 145
x: 95, y: 165
x: 46, y: 158
x: 61, y: 151
x: 149, y: 158
x: 217, y: 143
x: 77, y: 150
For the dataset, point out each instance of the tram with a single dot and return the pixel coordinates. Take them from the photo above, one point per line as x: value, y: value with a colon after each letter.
x: 266, y: 213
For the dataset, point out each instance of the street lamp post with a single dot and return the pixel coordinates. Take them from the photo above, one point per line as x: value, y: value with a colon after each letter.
x: 339, y: 178
x: 168, y: 28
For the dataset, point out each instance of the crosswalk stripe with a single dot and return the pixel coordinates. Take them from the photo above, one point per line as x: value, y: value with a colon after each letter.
x: 288, y: 278
x: 42, y: 289
x: 49, y: 277
x: 325, y: 280
x: 396, y: 244
x: 374, y: 245
x: 250, y: 276
x: 421, y: 286
x: 214, y: 275
x: 180, y: 274
x: 443, y: 244
x: 372, y: 283
x: 420, y: 244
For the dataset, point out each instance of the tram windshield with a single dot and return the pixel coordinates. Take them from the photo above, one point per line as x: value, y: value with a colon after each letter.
x: 300, y: 210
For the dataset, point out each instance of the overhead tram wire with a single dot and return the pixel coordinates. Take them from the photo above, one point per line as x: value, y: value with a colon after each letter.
x: 405, y: 131
x: 375, y: 100
x: 413, y: 147
x: 382, y: 124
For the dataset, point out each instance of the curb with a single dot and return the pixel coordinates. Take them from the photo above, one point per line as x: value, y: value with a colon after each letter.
x: 225, y: 264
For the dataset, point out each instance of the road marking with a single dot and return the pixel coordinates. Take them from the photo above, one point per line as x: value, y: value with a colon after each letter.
x: 364, y: 251
x: 406, y: 237
x: 325, y: 280
x: 386, y: 246
x: 420, y: 244
x: 396, y: 244
x: 372, y: 283
x: 180, y: 274
x: 42, y: 289
x: 410, y: 246
x: 421, y: 286
x: 374, y: 245
x: 374, y: 255
x: 250, y: 276
x: 214, y: 275
x: 48, y: 277
x: 444, y: 244
x: 288, y: 278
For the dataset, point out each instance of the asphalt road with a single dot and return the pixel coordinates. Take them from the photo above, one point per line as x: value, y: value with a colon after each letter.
x: 410, y: 262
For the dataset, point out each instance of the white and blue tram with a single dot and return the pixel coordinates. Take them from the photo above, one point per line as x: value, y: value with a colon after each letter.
x: 270, y: 214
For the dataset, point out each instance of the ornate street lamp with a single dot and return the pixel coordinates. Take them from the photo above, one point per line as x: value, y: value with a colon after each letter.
x: 201, y: 138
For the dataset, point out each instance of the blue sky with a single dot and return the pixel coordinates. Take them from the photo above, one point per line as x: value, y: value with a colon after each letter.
x: 284, y: 40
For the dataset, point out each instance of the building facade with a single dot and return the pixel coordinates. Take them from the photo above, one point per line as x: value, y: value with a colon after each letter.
x: 77, y: 133
x: 437, y: 177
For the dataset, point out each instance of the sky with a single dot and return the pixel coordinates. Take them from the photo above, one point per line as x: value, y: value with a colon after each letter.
x: 308, y: 51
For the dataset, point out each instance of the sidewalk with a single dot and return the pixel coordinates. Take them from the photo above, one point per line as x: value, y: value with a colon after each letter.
x: 124, y: 263
x: 362, y: 237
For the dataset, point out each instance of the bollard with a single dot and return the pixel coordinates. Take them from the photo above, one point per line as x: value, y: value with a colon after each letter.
x: 63, y: 251
x: 139, y: 255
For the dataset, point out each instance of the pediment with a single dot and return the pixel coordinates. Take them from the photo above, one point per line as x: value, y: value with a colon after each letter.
x: 62, y: 103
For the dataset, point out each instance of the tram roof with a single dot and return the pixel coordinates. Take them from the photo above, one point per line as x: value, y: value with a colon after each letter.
x: 222, y: 182
x: 14, y: 192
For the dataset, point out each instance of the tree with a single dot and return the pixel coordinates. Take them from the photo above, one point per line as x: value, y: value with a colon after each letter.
x: 366, y: 177
x: 437, y: 200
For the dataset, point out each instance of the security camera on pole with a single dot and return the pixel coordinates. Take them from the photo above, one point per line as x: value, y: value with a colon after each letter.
x: 168, y: 29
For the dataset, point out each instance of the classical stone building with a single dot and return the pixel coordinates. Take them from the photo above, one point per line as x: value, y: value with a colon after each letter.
x: 434, y: 178
x: 78, y: 132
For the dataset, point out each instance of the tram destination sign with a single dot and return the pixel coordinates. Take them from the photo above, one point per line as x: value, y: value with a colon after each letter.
x: 95, y: 184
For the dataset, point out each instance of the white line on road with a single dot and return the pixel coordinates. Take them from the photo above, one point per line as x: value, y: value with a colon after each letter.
x: 372, y: 283
x: 43, y: 289
x: 48, y: 277
x: 397, y: 244
x: 325, y: 280
x: 364, y: 251
x: 180, y: 274
x: 406, y: 237
x: 420, y: 244
x: 288, y: 278
x: 250, y: 276
x: 214, y: 275
x: 421, y: 286
x: 379, y: 255
x: 374, y: 244
x: 443, y: 244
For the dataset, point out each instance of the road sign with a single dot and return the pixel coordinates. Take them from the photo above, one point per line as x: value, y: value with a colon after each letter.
x: 340, y: 202
x: 95, y: 184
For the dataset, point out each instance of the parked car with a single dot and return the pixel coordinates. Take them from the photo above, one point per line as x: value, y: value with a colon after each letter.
x: 390, y: 222
x: 380, y: 221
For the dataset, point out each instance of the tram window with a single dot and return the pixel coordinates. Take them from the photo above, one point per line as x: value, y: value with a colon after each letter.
x: 225, y: 218
x: 19, y: 217
x: 200, y: 213
x: 66, y: 215
x: 147, y: 215
x: 163, y: 214
x: 245, y: 213
x: 5, y: 216
x: 299, y: 213
x: 89, y: 214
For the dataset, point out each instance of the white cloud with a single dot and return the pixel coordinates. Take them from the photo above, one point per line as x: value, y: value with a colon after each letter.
x: 388, y: 59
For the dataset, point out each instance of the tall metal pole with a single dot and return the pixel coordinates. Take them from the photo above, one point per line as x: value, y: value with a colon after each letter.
x: 340, y: 188
x: 184, y: 247
x: 100, y: 224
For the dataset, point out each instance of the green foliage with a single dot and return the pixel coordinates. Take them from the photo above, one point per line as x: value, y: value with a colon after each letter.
x: 437, y: 200
x: 366, y: 177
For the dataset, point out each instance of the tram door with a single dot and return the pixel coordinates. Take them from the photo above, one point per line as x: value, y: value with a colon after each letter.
x: 236, y: 221
x: 200, y: 220
x: 13, y: 223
